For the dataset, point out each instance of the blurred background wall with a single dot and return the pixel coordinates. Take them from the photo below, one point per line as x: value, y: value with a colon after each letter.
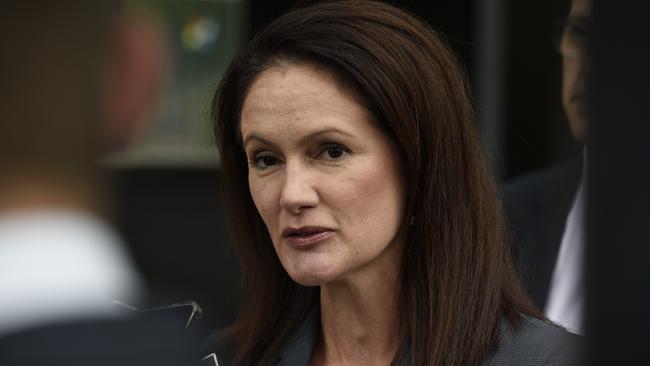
x: 167, y: 186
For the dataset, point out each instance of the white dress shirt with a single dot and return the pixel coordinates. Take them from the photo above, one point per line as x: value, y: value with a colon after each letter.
x: 566, y: 301
x: 60, y: 265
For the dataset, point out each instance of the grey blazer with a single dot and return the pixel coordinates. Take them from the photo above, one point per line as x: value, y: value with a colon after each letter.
x: 534, y: 342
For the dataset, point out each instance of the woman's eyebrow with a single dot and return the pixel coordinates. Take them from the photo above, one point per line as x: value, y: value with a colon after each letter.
x: 254, y: 136
x: 325, y: 131
x: 302, y: 140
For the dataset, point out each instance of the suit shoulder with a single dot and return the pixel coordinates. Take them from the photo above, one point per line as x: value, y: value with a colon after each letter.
x: 221, y: 345
x: 558, y: 176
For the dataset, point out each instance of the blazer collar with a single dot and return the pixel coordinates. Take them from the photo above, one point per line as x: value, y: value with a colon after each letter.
x: 299, y: 349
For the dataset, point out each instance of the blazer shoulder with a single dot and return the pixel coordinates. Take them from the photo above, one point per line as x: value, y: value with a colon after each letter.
x: 536, y: 342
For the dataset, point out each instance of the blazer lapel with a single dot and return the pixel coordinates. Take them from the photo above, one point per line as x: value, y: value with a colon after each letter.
x: 298, y: 351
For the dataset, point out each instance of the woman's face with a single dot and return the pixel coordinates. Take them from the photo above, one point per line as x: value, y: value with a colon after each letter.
x: 325, y: 180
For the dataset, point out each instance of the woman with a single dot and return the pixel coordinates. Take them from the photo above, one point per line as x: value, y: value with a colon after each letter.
x: 366, y: 222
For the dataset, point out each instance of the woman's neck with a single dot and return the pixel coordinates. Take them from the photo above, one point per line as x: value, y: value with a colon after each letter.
x: 359, y: 318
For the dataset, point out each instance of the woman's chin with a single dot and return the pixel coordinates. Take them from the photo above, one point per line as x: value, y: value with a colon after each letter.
x: 311, y: 276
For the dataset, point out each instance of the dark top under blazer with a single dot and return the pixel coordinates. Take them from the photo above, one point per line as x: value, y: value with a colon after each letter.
x: 536, y: 206
x: 534, y: 342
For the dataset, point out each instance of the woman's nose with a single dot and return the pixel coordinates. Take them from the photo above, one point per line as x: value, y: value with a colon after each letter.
x: 298, y: 191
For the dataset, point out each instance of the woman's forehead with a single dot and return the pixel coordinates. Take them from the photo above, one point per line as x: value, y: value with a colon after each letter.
x: 297, y: 96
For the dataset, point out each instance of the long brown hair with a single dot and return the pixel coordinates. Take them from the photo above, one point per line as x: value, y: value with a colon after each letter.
x: 457, y: 279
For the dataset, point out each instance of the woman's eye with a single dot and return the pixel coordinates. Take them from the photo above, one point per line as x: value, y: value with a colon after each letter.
x: 333, y: 152
x: 264, y: 161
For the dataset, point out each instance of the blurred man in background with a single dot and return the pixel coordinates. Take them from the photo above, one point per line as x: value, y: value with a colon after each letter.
x: 77, y: 79
x: 546, y: 208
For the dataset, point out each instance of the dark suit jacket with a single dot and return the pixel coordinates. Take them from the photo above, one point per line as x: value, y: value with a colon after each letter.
x: 97, y: 342
x: 534, y: 343
x: 536, y: 206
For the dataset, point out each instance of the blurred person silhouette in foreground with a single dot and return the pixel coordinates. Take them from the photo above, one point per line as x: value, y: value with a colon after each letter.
x: 546, y: 208
x: 77, y: 79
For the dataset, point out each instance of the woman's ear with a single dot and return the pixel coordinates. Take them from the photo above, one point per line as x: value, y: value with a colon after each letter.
x: 137, y: 61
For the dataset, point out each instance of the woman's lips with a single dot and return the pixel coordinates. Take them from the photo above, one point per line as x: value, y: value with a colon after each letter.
x: 304, y: 238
